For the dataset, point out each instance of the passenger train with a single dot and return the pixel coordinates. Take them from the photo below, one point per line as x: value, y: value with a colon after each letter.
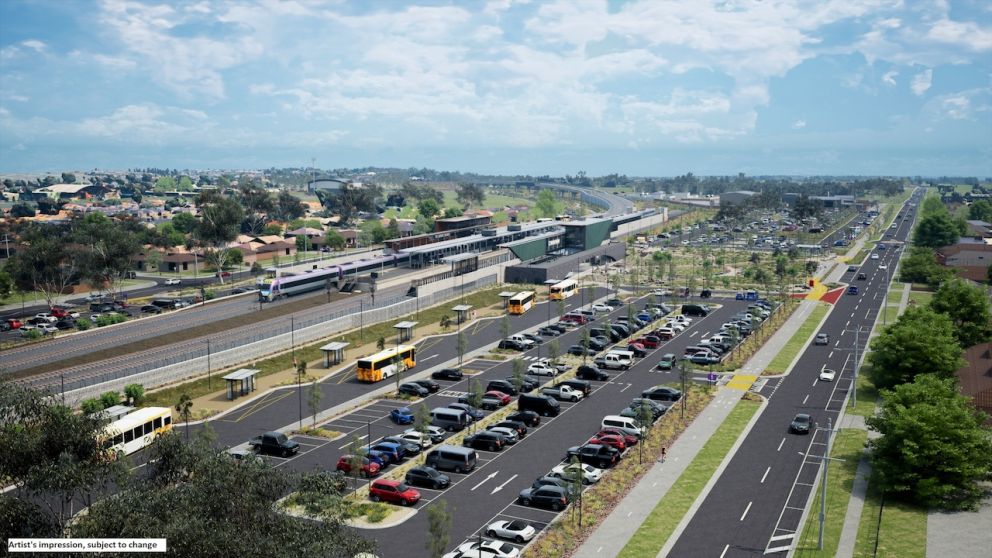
x: 314, y: 280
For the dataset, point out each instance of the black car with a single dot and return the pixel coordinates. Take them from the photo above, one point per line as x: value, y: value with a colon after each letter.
x: 537, y: 339
x: 597, y: 455
x: 705, y: 293
x: 448, y: 374
x: 66, y: 323
x: 589, y: 372
x: 801, y: 424
x: 428, y: 477
x: 520, y: 427
x: 549, y: 331
x: 614, y: 302
x: 562, y: 328
x: 657, y: 409
x: 510, y: 344
x: 411, y: 388
x: 851, y: 269
x: 471, y: 411
x: 430, y: 385
x: 554, y: 497
x: 596, y: 343
x: 548, y: 481
x: 862, y: 276
x: 151, y: 309
x: 579, y: 350
x: 505, y: 386
x: 530, y: 418
x: 409, y: 447
x: 529, y: 383
x: 484, y: 440
x: 662, y: 393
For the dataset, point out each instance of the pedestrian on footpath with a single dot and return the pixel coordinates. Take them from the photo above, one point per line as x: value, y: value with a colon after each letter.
x: 664, y: 453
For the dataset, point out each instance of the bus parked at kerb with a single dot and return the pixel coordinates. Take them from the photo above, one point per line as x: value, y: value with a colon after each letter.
x: 136, y: 431
x: 521, y: 302
x: 563, y: 290
x: 381, y: 365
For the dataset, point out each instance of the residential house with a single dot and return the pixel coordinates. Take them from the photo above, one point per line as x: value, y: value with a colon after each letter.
x: 969, y: 257
x: 979, y: 229
x: 975, y: 377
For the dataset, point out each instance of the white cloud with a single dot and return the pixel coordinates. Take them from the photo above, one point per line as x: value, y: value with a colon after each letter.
x: 799, y: 124
x: 965, y: 34
x: 922, y: 81
x: 35, y: 45
x: 890, y: 77
x: 957, y: 108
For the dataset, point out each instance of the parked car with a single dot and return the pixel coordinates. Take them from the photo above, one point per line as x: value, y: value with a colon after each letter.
x: 472, y: 412
x: 410, y: 388
x: 542, y: 369
x: 485, y: 549
x: 151, y: 309
x: 403, y: 415
x: 568, y: 471
x: 597, y: 455
x: 613, y: 441
x: 801, y: 424
x: 505, y: 386
x: 628, y: 439
x: 602, y: 308
x: 519, y: 427
x: 530, y: 418
x: 509, y: 435
x: 501, y: 399
x: 45, y: 317
x: 453, y: 374
x: 516, y: 530
x: 393, y: 491
x: 434, y: 433
x: 614, y: 303
x: 512, y: 345
x: 579, y: 350
x: 428, y: 477
x: 554, y: 497
x: 590, y: 372
x: 429, y: 385
x: 662, y: 393
x: 368, y: 468
x: 549, y: 331
x: 667, y: 362
x: 486, y: 440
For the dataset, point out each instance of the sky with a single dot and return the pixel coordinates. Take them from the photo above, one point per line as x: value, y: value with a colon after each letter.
x: 643, y: 88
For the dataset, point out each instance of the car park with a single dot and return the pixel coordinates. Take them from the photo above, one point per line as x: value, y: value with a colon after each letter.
x: 851, y: 269
x: 448, y: 374
x: 554, y: 497
x: 822, y: 339
x: 516, y: 530
x: 393, y: 491
x: 801, y: 424
x: 428, y: 477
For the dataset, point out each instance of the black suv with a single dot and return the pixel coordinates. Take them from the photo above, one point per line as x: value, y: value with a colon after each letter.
x: 511, y: 345
x: 486, y: 440
x: 528, y: 385
x: 596, y: 455
x: 530, y: 418
x: 554, y: 497
x: 430, y: 385
x: 427, y: 476
x: 589, y: 372
x: 448, y: 374
x: 501, y: 385
x: 662, y: 393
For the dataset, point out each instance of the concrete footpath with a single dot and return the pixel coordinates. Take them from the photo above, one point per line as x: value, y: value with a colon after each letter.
x: 613, y: 533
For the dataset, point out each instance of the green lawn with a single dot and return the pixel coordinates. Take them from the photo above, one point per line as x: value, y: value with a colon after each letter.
x: 920, y: 298
x: 867, y: 395
x: 848, y: 445
x: 658, y: 527
x: 902, y: 532
x: 784, y: 357
x: 894, y: 296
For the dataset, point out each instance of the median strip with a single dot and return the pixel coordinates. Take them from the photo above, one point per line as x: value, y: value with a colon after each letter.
x: 784, y: 358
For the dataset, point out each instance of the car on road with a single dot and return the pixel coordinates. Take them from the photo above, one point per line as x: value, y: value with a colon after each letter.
x: 428, y: 477
x: 516, y: 530
x: 223, y: 274
x: 874, y: 256
x: 567, y: 471
x: 173, y: 281
x: 403, y: 415
x: 851, y: 268
x: 827, y: 375
x: 368, y: 468
x: 801, y: 424
x: 429, y: 385
x: 410, y: 388
x: 614, y: 303
x: 453, y: 374
x: 554, y: 497
x: 393, y: 491
x: 862, y: 276
x: 883, y: 266
x: 530, y: 418
x: 151, y: 309
x: 822, y: 339
x: 852, y: 290
x: 661, y: 292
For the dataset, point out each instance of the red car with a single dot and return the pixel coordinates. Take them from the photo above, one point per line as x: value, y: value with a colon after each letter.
x: 369, y: 468
x: 504, y: 399
x: 628, y: 439
x: 575, y: 318
x: 393, y: 491
x: 224, y: 274
x: 14, y: 323
x: 650, y: 342
x: 609, y: 440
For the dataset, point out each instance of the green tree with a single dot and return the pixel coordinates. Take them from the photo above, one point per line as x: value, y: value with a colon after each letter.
x: 393, y: 229
x: 220, y: 220
x: 372, y: 232
x: 68, y: 178
x: 380, y: 343
x: 6, y: 284
x: 504, y: 327
x: 546, y: 204
x: 936, y: 230
x: 22, y: 209
x: 920, y: 266
x: 184, y: 222
x: 980, y: 210
x: 428, y: 208
x: 288, y: 207
x: 445, y: 322
x: 518, y: 374
x: 46, y: 264
x: 438, y: 524
x: 574, y: 478
x: 470, y: 194
x: 934, y: 447
x: 645, y: 418
x: 474, y: 394
x: 135, y: 393
x: 105, y: 251
x: 901, y: 351
x: 185, y: 409
x: 185, y: 184
x: 109, y: 399
x: 553, y: 351
x: 334, y: 240
x: 165, y: 184
x: 968, y: 308
x: 460, y: 345
x: 422, y: 419
x: 314, y: 395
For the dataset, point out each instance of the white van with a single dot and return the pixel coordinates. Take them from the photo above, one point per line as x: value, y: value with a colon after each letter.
x: 623, y: 354
x: 614, y: 361
x: 626, y: 424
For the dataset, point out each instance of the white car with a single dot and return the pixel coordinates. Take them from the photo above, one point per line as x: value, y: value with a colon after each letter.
x: 175, y: 281
x: 601, y: 308
x: 95, y: 297
x: 542, y: 369
x: 423, y: 440
x: 677, y: 326
x: 683, y: 318
x: 661, y: 292
x: 433, y: 432
x: 590, y: 474
x: 883, y: 266
x: 45, y: 316
x: 471, y: 550
x: 874, y: 256
x: 827, y: 375
x: 509, y: 435
x: 517, y: 530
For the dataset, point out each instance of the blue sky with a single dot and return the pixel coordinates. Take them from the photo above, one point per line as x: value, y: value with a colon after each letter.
x: 644, y: 88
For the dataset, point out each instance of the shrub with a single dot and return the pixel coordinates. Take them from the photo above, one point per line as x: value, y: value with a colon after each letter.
x: 82, y: 324
x: 110, y: 398
x: 135, y: 393
x: 90, y: 406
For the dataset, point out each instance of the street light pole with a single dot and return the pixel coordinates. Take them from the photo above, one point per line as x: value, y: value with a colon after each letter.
x: 208, y: 364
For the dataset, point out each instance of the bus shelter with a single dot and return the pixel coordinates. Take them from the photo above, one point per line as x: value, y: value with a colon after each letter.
x: 240, y: 382
x: 461, y: 312
x: 506, y: 296
x: 334, y: 353
x: 404, y: 331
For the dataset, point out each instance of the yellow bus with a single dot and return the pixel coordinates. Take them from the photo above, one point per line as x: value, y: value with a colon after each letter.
x: 563, y: 290
x: 136, y: 431
x: 521, y: 302
x: 381, y: 365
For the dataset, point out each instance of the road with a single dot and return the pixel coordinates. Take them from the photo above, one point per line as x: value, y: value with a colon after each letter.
x: 758, y: 501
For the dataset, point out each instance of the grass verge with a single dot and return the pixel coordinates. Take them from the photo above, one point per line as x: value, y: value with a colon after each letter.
x: 867, y: 395
x: 784, y: 357
x: 667, y: 514
x: 849, y: 446
x: 920, y: 298
x: 895, y: 529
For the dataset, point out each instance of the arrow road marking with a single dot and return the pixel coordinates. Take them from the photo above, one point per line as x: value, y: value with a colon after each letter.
x: 487, y: 479
x: 500, y: 487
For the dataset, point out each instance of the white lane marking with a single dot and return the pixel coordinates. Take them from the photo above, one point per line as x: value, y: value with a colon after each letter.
x: 430, y: 357
x: 763, y: 477
x: 783, y: 537
x: 500, y: 487
x: 836, y: 343
x: 814, y: 382
x: 805, y: 399
x: 747, y: 509
x: 349, y: 443
x: 724, y: 553
x: 780, y: 445
x: 831, y: 355
x: 485, y: 480
x: 626, y: 388
x: 848, y: 323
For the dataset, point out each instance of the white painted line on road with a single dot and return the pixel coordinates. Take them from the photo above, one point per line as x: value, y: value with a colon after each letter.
x: 782, y: 537
x: 485, y: 480
x: 780, y: 445
x: 500, y: 487
x: 747, y: 509
x: 430, y: 357
x: 837, y: 343
x: 626, y: 388
x: 855, y: 307
x: 724, y: 553
x: 630, y: 513
x: 349, y: 443
x: 830, y: 355
x: 693, y: 334
x: 848, y: 322
x: 814, y: 382
x: 777, y: 549
x: 852, y: 314
x: 763, y: 477
x: 805, y: 399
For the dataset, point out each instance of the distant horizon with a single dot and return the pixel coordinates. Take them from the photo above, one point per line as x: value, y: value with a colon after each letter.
x: 501, y: 87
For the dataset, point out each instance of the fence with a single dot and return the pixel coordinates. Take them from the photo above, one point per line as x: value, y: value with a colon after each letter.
x: 190, y: 359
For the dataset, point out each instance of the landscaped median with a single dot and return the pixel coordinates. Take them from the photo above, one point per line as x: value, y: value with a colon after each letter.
x: 784, y: 358
x: 652, y: 535
x: 565, y: 534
